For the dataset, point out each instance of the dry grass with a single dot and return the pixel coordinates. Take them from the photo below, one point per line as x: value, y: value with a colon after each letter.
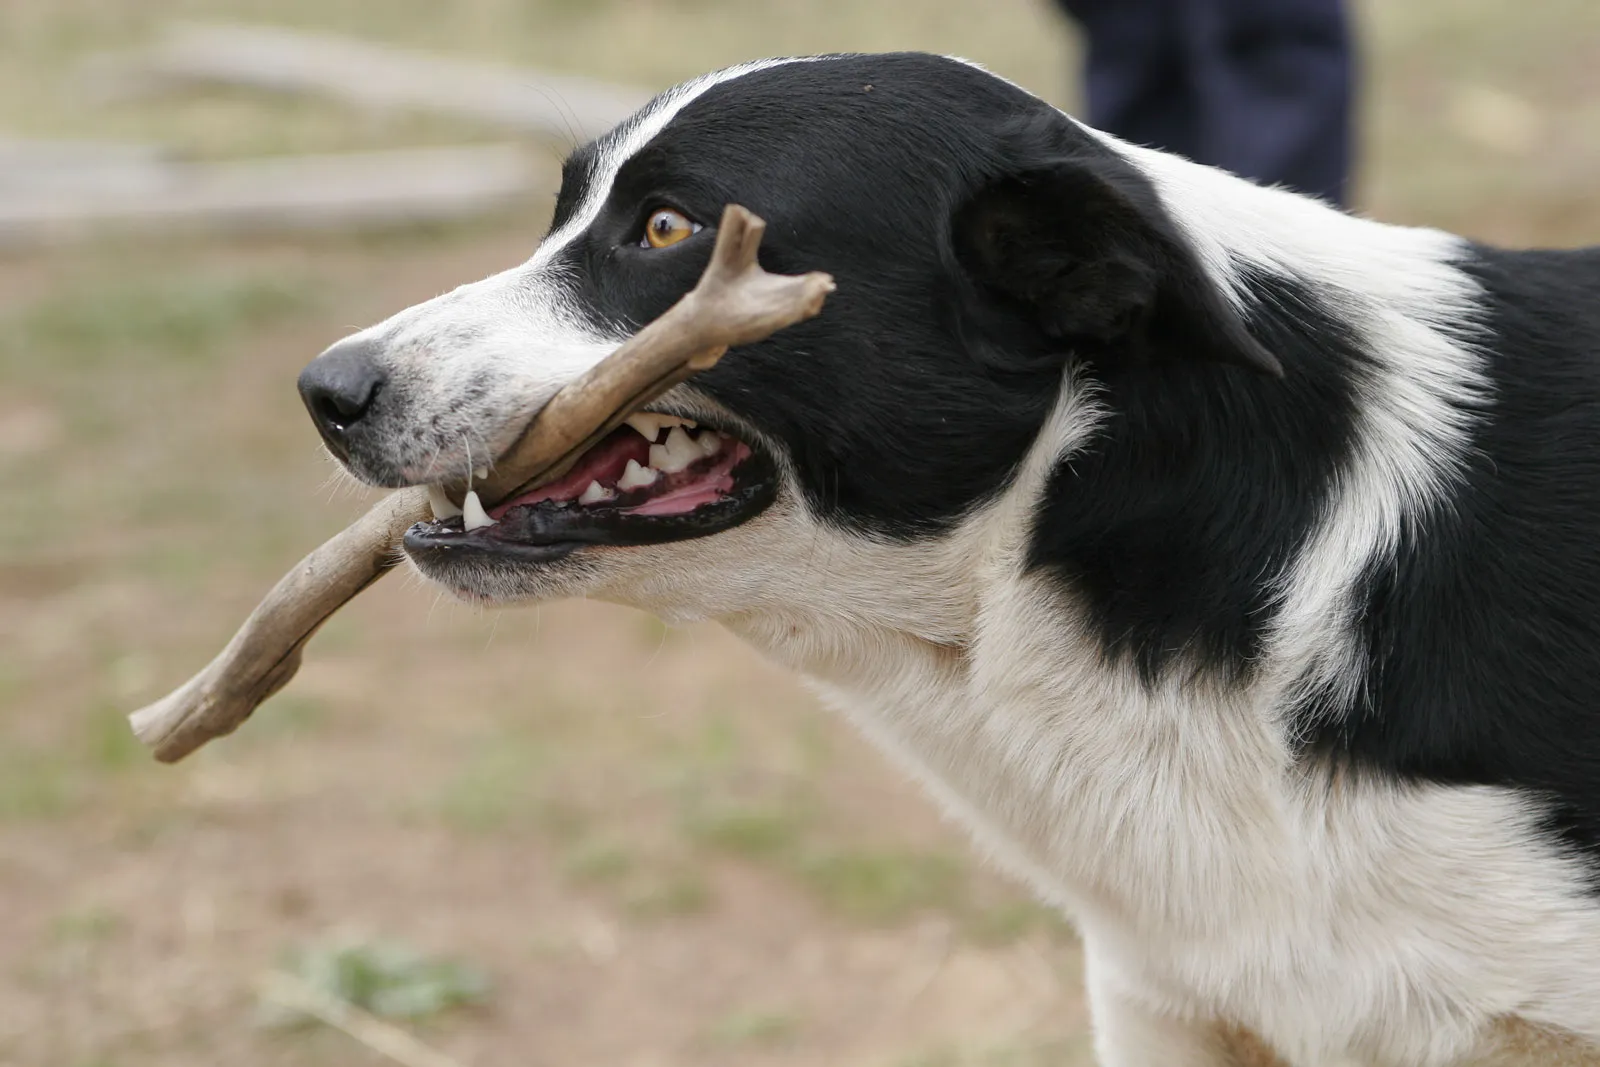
x: 654, y: 844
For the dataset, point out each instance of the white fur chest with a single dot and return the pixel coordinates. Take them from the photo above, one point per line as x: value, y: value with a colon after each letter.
x: 1211, y: 877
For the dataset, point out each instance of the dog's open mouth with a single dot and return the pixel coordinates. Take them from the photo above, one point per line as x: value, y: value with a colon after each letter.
x: 655, y: 478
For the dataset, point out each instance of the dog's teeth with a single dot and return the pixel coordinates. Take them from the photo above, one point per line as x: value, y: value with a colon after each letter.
x: 647, y: 425
x: 595, y: 494
x: 679, y: 451
x: 635, y: 476
x: 480, y: 473
x: 676, y: 455
x: 473, y: 517
x: 709, y: 442
x: 443, y: 507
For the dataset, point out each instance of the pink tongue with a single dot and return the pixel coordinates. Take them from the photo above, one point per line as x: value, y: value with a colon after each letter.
x: 703, y: 482
x: 704, y: 490
x: 604, y: 463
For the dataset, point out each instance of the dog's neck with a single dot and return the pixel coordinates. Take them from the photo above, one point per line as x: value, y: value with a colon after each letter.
x: 978, y: 677
x: 1044, y: 751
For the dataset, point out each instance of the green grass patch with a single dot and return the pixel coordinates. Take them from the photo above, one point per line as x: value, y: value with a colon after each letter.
x: 387, y: 978
x: 673, y: 894
x: 86, y: 925
x: 777, y: 820
x: 109, y: 744
x: 185, y: 317
x: 760, y: 832
x: 599, y: 863
x: 497, y: 790
x: 885, y: 886
x: 287, y: 714
x: 36, y: 785
x: 1049, y: 1053
x: 1008, y: 921
x: 759, y: 1027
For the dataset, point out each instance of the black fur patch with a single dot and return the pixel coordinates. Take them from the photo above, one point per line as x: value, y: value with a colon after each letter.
x: 886, y: 405
x: 915, y: 394
x: 1484, y: 632
x: 1203, y: 483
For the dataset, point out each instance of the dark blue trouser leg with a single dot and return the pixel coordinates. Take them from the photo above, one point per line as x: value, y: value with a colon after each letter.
x: 1260, y: 87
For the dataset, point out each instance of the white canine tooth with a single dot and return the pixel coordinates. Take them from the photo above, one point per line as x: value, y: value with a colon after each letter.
x: 659, y: 459
x: 443, y: 507
x: 710, y: 443
x: 595, y: 494
x: 473, y: 517
x: 647, y: 424
x: 681, y: 451
x: 480, y: 473
x: 650, y: 423
x: 636, y: 477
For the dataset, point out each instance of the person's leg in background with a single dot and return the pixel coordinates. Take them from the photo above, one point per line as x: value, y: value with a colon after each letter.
x: 1138, y: 76
x: 1262, y: 88
x: 1278, y: 84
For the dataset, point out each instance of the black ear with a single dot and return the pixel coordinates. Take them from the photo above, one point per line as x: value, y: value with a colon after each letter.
x: 1079, y: 238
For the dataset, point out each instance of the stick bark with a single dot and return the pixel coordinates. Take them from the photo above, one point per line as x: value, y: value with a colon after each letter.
x: 735, y: 303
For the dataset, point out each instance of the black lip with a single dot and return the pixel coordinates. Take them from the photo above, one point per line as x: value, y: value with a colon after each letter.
x: 551, y: 530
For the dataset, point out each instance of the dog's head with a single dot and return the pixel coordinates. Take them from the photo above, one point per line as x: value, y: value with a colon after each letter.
x: 983, y: 243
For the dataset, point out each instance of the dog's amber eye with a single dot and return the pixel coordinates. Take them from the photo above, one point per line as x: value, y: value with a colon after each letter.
x: 668, y: 227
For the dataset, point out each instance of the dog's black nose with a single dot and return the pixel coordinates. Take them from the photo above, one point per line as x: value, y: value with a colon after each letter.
x: 339, y: 387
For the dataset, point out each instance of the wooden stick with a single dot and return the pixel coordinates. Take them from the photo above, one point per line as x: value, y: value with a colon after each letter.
x: 735, y: 303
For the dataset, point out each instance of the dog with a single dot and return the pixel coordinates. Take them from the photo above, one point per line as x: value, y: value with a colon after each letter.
x: 1226, y: 564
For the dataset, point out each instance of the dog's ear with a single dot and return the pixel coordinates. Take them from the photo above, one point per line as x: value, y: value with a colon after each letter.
x: 1077, y: 237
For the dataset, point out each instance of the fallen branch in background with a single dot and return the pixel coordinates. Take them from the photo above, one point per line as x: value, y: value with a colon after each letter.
x: 370, y: 76
x: 291, y: 193
x: 51, y: 192
x: 84, y: 167
x: 383, y: 1038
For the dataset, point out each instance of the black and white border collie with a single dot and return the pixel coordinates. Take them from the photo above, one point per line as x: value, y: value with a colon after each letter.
x: 1227, y: 564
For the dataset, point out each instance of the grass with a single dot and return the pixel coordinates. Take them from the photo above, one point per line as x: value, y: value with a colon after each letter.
x: 91, y: 924
x: 755, y: 1026
x: 390, y: 979
x: 885, y: 886
x: 600, y: 863
x: 672, y: 893
x: 754, y: 833
x: 110, y: 747
x: 498, y: 789
x: 647, y: 885
x: 771, y: 815
x: 178, y: 317
x: 36, y: 784
x: 1050, y: 1053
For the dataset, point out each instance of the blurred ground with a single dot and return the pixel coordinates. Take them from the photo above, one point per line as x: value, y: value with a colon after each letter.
x: 655, y: 844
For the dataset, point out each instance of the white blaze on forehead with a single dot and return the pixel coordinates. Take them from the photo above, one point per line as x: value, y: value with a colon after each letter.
x: 624, y: 142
